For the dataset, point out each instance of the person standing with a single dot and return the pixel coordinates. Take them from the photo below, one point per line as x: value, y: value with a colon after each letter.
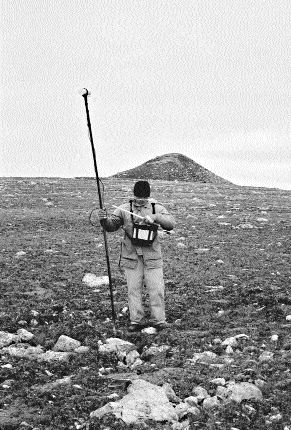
x: 141, y: 255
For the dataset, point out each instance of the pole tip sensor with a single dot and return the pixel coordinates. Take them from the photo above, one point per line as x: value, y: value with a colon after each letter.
x: 84, y: 92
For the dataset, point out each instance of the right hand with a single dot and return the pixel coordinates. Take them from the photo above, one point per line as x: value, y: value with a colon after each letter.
x: 102, y: 214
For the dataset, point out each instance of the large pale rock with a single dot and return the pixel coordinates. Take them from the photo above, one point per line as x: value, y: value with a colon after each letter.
x: 119, y: 346
x: 7, y: 338
x: 239, y: 392
x: 93, y: 281
x: 66, y: 344
x: 144, y: 401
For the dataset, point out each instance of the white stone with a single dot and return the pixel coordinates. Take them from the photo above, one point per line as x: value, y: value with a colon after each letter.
x: 200, y: 392
x: 211, y: 403
x: 34, y: 313
x: 155, y: 350
x: 20, y: 254
x: 243, y: 391
x: 7, y: 338
x: 203, y: 357
x: 194, y: 411
x: 262, y: 219
x: 131, y: 357
x: 66, y: 344
x: 53, y: 356
x: 149, y: 330
x: 274, y: 338
x: 182, y: 409
x: 114, y: 344
x: 181, y: 245
x: 288, y: 318
x: 231, y: 341
x: 138, y: 362
x: 246, y: 226
x: 24, y: 334
x: 82, y: 350
x: 266, y: 356
x: 23, y: 350
x: 229, y: 350
x: 93, y: 281
x: 170, y: 393
x: 144, y: 401
x: 218, y: 381
x: 191, y: 400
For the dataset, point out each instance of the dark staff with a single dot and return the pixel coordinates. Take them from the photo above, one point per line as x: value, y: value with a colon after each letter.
x: 85, y: 93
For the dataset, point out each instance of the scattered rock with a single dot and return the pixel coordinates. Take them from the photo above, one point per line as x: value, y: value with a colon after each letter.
x: 144, y: 401
x: 20, y: 254
x: 119, y: 346
x: 131, y: 357
x: 206, y: 357
x: 229, y: 350
x: 7, y: 338
x: 23, y: 350
x: 200, y: 393
x: 67, y: 380
x: 266, y: 356
x: 246, y: 226
x: 93, y: 281
x: 170, y: 393
x: 182, y: 409
x: 53, y: 356
x: 181, y: 245
x: 82, y: 350
x: 155, y: 351
x: 211, y: 403
x: 66, y: 344
x: 191, y: 400
x: 239, y: 392
x: 230, y: 341
x: 149, y: 330
x: 218, y: 381
x: 24, y: 334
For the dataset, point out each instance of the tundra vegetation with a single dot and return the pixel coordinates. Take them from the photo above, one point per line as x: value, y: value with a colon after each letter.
x: 227, y: 274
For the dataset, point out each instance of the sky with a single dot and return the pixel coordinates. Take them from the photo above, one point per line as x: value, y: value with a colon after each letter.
x: 205, y: 78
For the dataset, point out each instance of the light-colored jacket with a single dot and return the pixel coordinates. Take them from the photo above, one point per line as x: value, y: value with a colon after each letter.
x: 152, y: 255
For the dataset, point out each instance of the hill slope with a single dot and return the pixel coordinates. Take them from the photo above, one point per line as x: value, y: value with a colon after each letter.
x: 172, y: 167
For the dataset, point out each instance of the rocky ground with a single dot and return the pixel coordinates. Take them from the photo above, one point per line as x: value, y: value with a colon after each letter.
x: 224, y: 363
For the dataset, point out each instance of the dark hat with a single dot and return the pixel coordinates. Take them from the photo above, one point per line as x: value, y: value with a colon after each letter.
x: 142, y: 189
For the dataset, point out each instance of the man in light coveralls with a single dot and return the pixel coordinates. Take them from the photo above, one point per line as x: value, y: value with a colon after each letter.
x: 141, y: 258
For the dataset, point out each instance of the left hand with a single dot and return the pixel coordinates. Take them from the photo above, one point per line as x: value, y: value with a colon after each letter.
x: 149, y: 219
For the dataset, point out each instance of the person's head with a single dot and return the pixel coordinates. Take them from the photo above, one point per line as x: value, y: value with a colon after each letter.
x: 141, y: 190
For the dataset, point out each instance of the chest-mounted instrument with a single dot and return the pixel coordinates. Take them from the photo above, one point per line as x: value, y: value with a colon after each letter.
x: 143, y: 234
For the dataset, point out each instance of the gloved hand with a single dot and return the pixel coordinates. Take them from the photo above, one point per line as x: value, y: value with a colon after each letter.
x: 102, y: 214
x: 149, y: 219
